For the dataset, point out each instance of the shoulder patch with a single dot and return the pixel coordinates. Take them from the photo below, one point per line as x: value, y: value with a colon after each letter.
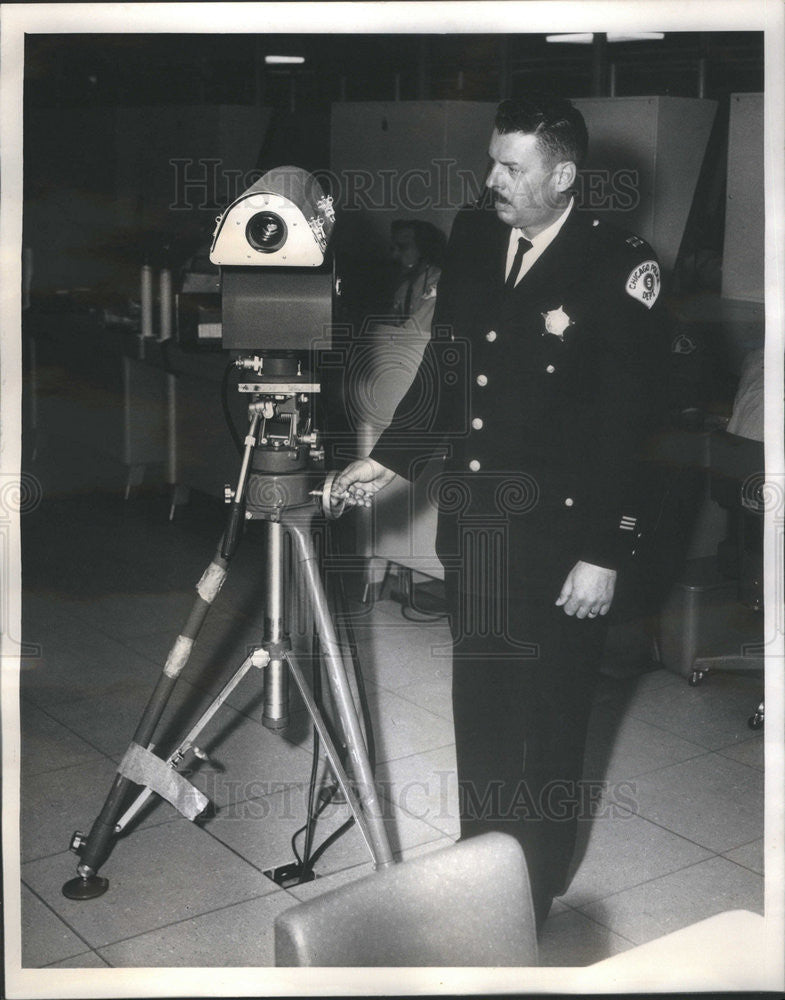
x: 643, y: 283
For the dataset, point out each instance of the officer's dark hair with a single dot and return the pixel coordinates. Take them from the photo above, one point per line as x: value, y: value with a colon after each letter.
x: 559, y: 126
x: 430, y: 240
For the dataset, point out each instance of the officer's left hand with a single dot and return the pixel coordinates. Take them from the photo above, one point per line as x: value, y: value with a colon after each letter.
x: 587, y: 591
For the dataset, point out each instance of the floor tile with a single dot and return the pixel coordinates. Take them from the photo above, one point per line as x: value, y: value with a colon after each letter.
x: 110, y: 723
x: 416, y: 851
x: 400, y: 653
x: 679, y: 899
x: 153, y: 882
x: 750, y: 856
x: 222, y: 644
x: 426, y: 785
x: 333, y: 880
x: 402, y: 728
x: 310, y: 890
x: 261, y: 831
x: 624, y: 850
x: 47, y: 744
x: 659, y: 677
x: 750, y: 752
x: 712, y: 800
x: 557, y: 906
x: 623, y: 746
x: 45, y: 938
x: 571, y: 939
x: 434, y: 695
x: 128, y: 613
x: 68, y: 799
x: 81, y: 659
x: 713, y: 714
x: 246, y: 760
x: 88, y: 960
x: 239, y: 935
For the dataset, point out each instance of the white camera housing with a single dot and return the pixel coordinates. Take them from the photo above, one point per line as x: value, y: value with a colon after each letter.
x: 283, y: 220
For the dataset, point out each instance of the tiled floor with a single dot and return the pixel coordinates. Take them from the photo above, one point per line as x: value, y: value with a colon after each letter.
x: 106, y: 587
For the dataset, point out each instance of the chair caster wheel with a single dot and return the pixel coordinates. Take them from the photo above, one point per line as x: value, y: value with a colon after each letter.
x: 696, y: 677
x: 90, y: 887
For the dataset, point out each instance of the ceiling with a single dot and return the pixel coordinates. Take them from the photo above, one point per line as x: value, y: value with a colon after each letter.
x: 78, y: 70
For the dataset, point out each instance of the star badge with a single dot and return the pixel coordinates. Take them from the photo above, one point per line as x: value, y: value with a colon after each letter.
x: 556, y: 322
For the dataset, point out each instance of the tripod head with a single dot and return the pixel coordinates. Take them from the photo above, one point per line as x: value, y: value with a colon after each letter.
x: 282, y: 395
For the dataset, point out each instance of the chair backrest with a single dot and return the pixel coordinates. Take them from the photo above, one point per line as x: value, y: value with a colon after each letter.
x: 464, y: 905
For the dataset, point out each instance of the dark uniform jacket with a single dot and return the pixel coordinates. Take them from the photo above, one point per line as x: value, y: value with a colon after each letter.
x: 539, y: 396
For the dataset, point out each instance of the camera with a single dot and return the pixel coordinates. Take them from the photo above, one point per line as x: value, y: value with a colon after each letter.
x: 277, y: 275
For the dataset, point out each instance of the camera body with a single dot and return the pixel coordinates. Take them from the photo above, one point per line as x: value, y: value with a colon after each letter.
x: 277, y: 279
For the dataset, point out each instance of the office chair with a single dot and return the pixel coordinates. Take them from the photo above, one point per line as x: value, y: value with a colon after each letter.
x: 464, y: 905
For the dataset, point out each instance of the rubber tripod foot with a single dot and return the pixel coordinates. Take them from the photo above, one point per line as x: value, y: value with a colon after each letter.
x: 85, y: 888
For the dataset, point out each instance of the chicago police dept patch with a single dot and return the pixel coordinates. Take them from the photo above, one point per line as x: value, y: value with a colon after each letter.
x: 643, y: 283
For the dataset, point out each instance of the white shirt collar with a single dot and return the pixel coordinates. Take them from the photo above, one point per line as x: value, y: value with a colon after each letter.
x: 541, y: 240
x: 539, y: 244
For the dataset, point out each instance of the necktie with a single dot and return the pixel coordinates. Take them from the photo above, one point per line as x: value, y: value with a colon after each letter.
x: 515, y: 270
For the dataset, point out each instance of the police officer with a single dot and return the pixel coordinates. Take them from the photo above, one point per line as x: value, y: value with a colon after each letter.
x: 539, y: 380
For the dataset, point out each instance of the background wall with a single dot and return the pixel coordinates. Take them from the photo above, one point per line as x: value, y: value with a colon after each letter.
x: 106, y: 114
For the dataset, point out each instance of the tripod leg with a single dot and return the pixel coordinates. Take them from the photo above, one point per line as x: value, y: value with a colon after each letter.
x: 94, y: 849
x: 276, y: 681
x: 335, y: 760
x: 342, y: 696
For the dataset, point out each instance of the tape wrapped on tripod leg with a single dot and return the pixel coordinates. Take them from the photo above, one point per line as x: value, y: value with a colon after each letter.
x: 144, y: 768
x: 178, y: 656
x: 211, y: 582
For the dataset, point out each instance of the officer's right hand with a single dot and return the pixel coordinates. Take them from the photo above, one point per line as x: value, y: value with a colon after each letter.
x: 360, y: 481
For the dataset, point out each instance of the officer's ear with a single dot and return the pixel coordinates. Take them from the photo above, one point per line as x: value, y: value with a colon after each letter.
x: 564, y: 174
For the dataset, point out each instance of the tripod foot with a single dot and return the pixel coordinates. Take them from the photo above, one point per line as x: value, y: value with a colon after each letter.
x: 90, y: 887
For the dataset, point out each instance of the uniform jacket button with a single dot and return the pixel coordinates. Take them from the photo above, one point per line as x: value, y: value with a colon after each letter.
x: 474, y: 465
x: 569, y: 502
x: 477, y: 423
x: 482, y: 380
x: 550, y: 369
x: 490, y: 336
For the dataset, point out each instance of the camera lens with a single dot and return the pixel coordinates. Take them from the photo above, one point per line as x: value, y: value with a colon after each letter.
x: 266, y: 231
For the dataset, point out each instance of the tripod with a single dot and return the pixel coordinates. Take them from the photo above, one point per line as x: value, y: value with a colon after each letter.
x: 284, y: 502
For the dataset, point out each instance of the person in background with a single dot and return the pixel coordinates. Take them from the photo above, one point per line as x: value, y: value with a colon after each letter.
x: 418, y: 251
